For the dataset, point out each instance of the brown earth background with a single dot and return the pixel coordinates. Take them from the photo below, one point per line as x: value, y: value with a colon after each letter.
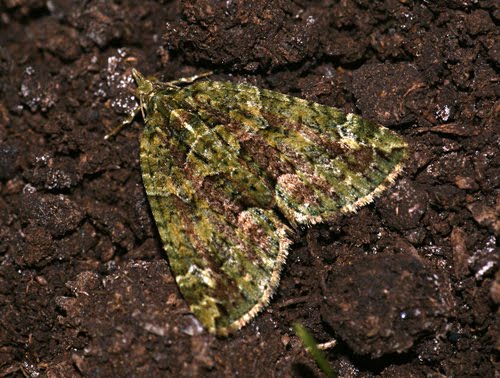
x: 408, y: 286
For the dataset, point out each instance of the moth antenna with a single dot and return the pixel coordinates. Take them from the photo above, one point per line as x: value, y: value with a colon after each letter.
x: 188, y: 80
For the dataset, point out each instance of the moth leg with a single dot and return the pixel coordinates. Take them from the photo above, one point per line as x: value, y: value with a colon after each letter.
x: 126, y: 122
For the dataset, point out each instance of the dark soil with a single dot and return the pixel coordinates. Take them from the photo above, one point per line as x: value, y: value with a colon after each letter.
x: 408, y: 286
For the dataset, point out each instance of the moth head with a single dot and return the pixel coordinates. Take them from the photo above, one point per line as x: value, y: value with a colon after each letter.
x: 145, y: 87
x: 144, y: 92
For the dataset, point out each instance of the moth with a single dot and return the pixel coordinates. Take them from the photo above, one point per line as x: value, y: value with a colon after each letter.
x: 230, y: 170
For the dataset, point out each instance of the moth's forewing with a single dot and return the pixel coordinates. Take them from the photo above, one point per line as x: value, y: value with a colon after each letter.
x: 223, y: 163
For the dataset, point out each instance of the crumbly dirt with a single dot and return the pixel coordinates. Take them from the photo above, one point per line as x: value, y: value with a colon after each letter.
x: 408, y: 286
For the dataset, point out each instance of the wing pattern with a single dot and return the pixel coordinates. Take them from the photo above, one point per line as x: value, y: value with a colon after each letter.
x: 230, y: 169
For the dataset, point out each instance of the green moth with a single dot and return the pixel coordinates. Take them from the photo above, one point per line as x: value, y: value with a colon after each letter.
x: 230, y: 170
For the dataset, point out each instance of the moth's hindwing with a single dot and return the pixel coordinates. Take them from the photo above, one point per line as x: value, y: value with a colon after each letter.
x: 224, y: 163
